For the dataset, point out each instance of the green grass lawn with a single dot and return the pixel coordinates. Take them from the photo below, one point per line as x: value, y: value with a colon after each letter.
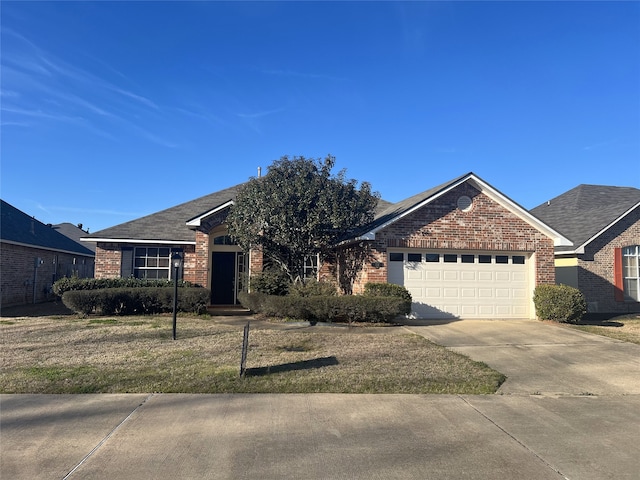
x: 625, y: 328
x: 137, y: 354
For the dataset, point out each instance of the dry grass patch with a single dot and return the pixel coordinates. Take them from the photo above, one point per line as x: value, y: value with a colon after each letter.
x: 625, y: 328
x: 137, y: 354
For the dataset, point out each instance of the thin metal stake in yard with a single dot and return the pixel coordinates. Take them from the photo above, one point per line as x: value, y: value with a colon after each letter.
x: 245, y: 347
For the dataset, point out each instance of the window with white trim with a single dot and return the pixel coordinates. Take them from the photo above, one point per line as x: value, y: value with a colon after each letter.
x: 311, y: 267
x: 152, y: 262
x: 631, y: 272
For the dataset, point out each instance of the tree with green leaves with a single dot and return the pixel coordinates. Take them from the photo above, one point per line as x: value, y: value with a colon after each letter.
x: 299, y: 209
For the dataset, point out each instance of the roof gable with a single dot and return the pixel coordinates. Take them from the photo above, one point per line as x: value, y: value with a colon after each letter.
x: 587, y: 211
x: 405, y: 207
x: 19, y: 228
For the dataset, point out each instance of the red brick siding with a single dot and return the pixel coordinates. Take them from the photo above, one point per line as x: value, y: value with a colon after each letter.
x: 198, y: 271
x: 18, y: 266
x: 595, y: 266
x: 108, y: 258
x: 441, y: 225
x: 190, y: 260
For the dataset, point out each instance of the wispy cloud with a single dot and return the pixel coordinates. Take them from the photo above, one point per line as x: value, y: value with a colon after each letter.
x: 38, y: 85
x: 264, y: 113
x: 91, y: 211
x: 600, y: 145
x: 304, y: 75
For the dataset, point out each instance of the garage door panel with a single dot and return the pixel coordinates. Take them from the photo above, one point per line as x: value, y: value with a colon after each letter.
x: 416, y: 292
x: 486, y: 310
x: 519, y: 293
x: 415, y: 274
x: 519, y: 311
x: 469, y: 311
x: 466, y: 290
x: 485, y: 276
x: 503, y: 276
x: 469, y: 276
x: 502, y: 292
x: 519, y: 276
x: 450, y: 275
x: 433, y: 275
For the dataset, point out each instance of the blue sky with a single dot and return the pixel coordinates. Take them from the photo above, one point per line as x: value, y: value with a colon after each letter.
x: 114, y: 110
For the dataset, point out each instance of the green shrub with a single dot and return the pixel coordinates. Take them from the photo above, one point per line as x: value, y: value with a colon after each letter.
x: 270, y: 282
x: 372, y: 289
x: 559, y: 303
x: 66, y: 284
x: 253, y: 301
x: 83, y: 302
x: 135, y: 301
x: 326, y: 308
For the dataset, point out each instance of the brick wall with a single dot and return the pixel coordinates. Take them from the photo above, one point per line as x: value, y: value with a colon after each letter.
x: 595, y: 266
x: 441, y: 225
x: 197, y: 268
x: 19, y: 272
x: 108, y: 257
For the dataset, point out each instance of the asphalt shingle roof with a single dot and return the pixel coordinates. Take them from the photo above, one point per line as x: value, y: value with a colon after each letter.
x: 169, y: 224
x: 394, y: 210
x: 74, y: 233
x: 18, y: 227
x: 585, y: 210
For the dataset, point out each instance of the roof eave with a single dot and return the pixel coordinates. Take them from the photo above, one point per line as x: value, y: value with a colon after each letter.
x: 50, y: 249
x: 137, y: 240
x: 197, y: 221
x: 581, y: 248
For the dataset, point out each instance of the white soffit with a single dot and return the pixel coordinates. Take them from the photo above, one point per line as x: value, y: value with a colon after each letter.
x: 135, y: 240
x: 197, y: 221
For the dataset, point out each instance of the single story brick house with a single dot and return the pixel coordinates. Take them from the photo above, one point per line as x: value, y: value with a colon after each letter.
x: 34, y: 255
x: 463, y: 249
x: 603, y: 222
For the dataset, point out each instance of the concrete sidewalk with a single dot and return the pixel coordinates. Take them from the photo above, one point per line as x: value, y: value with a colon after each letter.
x: 323, y: 436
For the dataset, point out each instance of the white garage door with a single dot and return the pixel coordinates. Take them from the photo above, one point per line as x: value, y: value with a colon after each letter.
x: 463, y: 285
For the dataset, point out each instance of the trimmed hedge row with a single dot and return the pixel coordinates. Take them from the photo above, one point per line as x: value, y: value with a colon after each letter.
x: 135, y: 301
x: 66, y: 284
x: 346, y: 308
x: 559, y: 303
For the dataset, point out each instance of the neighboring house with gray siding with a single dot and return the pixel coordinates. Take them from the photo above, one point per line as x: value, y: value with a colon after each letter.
x: 603, y: 222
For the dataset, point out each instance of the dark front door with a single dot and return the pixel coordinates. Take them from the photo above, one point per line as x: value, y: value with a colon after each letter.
x: 223, y: 268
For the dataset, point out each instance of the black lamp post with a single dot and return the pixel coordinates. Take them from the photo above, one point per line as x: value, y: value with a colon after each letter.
x: 176, y: 260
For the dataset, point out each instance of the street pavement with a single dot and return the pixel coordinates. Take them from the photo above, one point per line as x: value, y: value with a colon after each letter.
x: 570, y: 409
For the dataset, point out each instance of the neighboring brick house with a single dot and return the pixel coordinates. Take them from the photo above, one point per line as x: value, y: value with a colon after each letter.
x: 463, y: 249
x: 33, y: 255
x: 603, y: 222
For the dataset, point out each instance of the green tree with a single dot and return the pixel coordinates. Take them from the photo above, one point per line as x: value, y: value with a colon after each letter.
x: 298, y: 209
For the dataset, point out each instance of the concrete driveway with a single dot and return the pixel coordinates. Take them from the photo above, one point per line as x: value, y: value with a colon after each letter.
x: 542, y: 358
